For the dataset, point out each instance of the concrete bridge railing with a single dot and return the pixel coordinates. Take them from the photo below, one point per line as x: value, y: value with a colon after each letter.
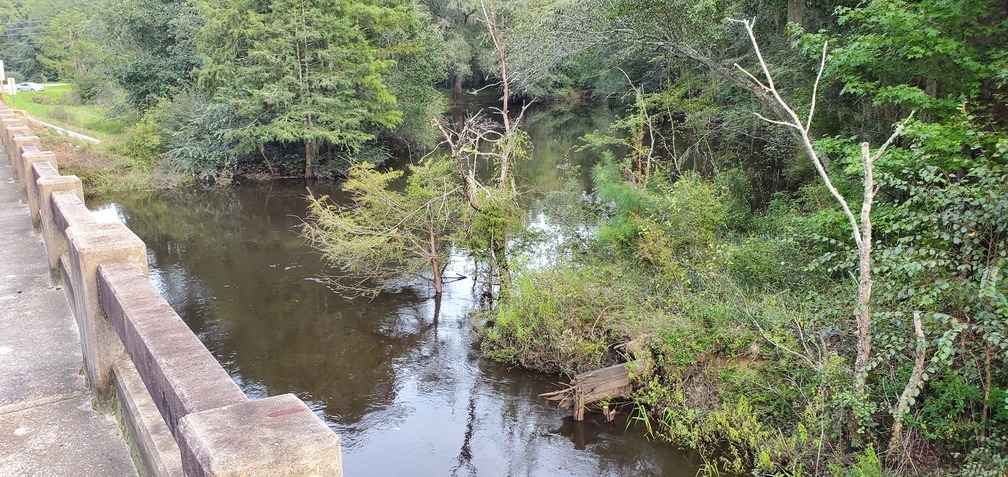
x: 183, y: 412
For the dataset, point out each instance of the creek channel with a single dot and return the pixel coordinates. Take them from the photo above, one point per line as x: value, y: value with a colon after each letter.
x: 407, y: 393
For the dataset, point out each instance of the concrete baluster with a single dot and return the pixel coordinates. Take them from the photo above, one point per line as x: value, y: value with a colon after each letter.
x: 20, y: 139
x: 29, y: 157
x: 12, y: 128
x: 87, y: 247
x: 276, y: 436
x: 11, y: 120
x: 50, y: 182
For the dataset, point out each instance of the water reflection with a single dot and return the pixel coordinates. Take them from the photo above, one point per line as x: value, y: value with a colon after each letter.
x: 405, y: 389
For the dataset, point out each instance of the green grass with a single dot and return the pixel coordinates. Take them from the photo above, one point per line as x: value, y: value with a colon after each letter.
x: 107, y: 169
x: 61, y: 106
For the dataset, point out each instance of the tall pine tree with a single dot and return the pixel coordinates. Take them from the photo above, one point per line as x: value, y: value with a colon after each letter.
x: 311, y: 72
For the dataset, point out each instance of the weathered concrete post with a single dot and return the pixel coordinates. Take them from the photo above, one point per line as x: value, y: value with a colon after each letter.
x: 88, y: 247
x: 277, y: 436
x: 21, y: 137
x: 8, y: 116
x: 50, y: 182
x: 12, y: 121
x: 13, y: 128
x: 29, y: 157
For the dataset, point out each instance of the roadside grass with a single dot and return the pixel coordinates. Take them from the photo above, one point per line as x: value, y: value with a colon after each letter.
x: 60, y: 105
x: 107, y: 169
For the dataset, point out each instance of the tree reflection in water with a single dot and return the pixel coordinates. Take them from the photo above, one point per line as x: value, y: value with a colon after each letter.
x: 395, y: 376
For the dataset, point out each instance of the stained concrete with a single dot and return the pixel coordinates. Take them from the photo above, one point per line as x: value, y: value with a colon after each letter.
x: 277, y: 436
x: 180, y: 373
x: 64, y: 438
x: 47, y: 424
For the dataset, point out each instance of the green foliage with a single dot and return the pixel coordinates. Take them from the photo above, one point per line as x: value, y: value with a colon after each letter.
x: 420, y: 54
x: 555, y: 320
x: 72, y: 50
x: 142, y: 142
x: 200, y: 136
x: 665, y: 223
x: 308, y: 73
x: 23, y: 37
x: 928, y: 55
x: 462, y: 34
x: 383, y: 235
x: 989, y: 459
x: 730, y: 437
x: 945, y: 256
x: 867, y: 465
x: 154, y: 52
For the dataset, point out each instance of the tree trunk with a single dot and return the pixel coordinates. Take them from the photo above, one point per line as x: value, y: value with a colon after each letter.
x: 456, y: 86
x: 796, y: 11
x: 909, y: 392
x: 863, y: 312
x: 437, y: 310
x: 437, y: 280
x: 309, y: 154
x: 503, y: 270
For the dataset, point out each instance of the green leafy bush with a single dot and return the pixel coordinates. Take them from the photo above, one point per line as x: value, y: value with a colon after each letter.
x: 556, y: 320
x: 143, y: 142
x: 200, y: 136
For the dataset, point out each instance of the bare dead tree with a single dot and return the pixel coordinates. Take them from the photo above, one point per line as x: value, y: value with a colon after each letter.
x: 466, y: 142
x: 508, y: 138
x: 479, y: 138
x: 860, y: 229
x: 911, y: 390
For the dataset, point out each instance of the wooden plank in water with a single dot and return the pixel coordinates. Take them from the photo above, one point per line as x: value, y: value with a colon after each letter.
x: 594, y: 386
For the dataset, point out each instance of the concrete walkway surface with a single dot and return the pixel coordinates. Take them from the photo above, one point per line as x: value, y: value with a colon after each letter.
x: 48, y: 427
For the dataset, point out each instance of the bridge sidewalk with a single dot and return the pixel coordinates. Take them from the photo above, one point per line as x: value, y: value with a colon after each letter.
x: 47, y: 424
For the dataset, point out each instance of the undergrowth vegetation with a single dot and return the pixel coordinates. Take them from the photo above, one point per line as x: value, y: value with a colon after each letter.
x: 744, y: 317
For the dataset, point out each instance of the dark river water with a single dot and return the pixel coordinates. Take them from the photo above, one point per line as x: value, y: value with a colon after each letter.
x: 407, y: 393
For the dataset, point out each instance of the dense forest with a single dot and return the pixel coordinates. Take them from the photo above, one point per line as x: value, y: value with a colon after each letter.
x: 798, y: 224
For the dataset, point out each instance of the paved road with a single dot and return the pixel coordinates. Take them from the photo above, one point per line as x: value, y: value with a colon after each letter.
x: 47, y: 425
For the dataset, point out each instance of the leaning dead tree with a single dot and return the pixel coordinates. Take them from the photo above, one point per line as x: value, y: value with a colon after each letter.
x: 479, y: 139
x: 910, y: 392
x: 861, y: 228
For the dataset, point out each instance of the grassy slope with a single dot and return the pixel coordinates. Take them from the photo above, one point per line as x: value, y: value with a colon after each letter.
x: 60, y: 106
x: 105, y: 168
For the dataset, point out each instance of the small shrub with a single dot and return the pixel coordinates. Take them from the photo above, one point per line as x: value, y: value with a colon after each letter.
x: 988, y: 460
x: 200, y: 136
x: 69, y: 98
x: 867, y: 465
x: 760, y: 262
x: 143, y: 142
x: 555, y: 320
x: 87, y: 88
x: 60, y: 114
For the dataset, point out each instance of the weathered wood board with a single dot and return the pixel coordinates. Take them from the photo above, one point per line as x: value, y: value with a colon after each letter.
x: 594, y: 386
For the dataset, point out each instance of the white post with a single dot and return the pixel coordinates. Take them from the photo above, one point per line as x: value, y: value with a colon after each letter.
x: 11, y: 88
